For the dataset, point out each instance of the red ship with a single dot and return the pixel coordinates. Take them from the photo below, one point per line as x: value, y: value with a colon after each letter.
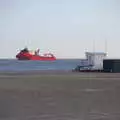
x: 25, y: 54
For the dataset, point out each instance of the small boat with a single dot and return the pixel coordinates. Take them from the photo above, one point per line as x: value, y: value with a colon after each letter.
x: 25, y: 54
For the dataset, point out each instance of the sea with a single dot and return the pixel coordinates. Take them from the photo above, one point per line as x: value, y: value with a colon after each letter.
x: 29, y: 65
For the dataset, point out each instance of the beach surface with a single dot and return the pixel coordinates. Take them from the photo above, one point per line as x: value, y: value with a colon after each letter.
x: 59, y: 96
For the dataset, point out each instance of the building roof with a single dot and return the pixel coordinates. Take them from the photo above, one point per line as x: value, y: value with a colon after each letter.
x: 112, y: 59
x: 96, y: 53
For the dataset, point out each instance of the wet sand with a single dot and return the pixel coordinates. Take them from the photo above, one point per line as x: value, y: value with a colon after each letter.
x: 59, y: 96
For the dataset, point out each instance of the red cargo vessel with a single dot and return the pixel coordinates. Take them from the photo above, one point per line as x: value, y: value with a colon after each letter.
x: 25, y: 54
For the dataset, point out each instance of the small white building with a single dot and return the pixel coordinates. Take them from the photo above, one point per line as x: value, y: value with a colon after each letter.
x: 96, y: 59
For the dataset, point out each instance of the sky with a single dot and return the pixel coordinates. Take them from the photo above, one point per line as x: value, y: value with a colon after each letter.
x: 66, y: 28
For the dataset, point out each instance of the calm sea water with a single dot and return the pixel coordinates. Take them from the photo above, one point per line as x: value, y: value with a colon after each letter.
x: 16, y: 65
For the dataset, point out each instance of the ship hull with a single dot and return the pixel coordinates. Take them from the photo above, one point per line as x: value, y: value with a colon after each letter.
x: 27, y: 56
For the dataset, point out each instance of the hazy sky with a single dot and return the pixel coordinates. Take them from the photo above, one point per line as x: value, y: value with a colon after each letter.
x: 66, y: 28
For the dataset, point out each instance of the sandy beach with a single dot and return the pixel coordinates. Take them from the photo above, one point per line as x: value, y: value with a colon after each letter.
x: 59, y: 96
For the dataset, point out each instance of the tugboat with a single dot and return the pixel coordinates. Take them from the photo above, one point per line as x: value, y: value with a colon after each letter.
x: 25, y: 54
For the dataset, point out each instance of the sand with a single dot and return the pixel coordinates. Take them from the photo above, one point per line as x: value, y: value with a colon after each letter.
x: 59, y: 96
